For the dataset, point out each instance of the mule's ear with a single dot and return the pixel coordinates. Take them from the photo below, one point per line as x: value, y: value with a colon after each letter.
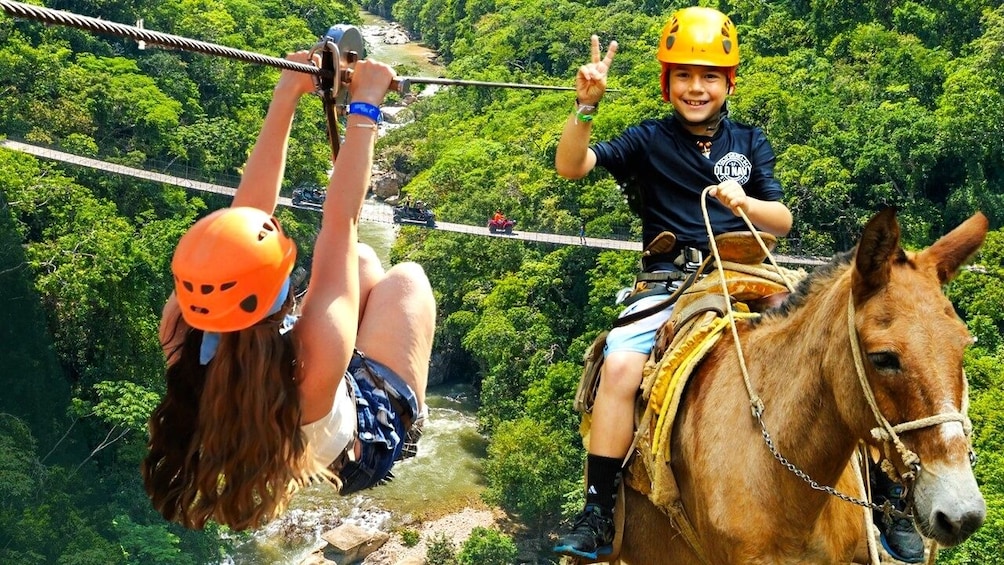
x: 956, y: 247
x: 878, y: 246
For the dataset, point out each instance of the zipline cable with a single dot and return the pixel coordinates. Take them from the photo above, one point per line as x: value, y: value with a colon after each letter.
x: 50, y: 16
x: 59, y: 17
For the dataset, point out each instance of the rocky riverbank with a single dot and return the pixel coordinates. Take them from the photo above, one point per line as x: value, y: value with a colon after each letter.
x: 455, y: 527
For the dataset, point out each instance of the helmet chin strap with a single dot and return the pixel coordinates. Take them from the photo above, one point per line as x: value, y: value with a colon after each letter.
x: 711, y: 124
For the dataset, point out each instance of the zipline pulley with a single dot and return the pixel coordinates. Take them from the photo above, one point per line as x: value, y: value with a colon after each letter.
x: 339, y: 49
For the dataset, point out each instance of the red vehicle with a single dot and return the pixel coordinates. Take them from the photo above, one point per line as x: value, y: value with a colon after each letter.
x: 501, y: 224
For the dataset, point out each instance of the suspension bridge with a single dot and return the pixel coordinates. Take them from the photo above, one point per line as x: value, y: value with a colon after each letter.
x: 372, y: 211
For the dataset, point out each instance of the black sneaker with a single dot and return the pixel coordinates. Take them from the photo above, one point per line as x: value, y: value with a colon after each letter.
x: 899, y: 537
x: 591, y: 536
x: 901, y: 540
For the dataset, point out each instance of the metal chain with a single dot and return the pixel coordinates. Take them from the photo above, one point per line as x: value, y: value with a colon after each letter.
x: 886, y: 508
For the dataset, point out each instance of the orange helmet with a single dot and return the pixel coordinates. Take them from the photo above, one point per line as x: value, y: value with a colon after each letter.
x: 230, y: 267
x: 698, y: 36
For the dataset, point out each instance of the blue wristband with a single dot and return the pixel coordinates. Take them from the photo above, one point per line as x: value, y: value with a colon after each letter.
x: 365, y: 109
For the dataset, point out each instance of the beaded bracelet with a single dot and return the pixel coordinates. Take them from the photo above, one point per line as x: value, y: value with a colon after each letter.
x: 585, y: 112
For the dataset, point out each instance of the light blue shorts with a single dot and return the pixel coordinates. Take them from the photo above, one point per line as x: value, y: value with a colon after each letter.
x: 638, y: 336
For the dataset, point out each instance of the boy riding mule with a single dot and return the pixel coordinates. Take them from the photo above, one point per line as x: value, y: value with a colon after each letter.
x: 663, y: 165
x: 866, y: 349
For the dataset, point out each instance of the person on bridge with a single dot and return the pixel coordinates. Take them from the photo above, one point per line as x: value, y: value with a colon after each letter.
x: 663, y: 165
x: 264, y: 394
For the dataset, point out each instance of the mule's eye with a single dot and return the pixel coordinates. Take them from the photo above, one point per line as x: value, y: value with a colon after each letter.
x: 884, y: 361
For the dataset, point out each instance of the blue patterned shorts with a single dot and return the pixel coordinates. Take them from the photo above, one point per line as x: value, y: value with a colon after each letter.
x: 389, y: 423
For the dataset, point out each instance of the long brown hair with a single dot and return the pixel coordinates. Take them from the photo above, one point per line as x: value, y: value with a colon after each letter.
x: 225, y: 441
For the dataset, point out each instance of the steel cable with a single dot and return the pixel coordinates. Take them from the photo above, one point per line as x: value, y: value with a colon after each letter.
x: 50, y: 16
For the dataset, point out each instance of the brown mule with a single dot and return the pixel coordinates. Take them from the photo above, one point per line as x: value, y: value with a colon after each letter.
x: 746, y: 508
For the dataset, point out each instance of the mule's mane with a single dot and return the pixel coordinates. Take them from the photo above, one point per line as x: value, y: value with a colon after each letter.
x: 821, y: 277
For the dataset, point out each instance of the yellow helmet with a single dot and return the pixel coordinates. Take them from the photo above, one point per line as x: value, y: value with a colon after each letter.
x: 699, y: 36
x: 230, y: 267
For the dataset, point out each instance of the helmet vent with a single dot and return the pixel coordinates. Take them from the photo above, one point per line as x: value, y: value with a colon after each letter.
x: 188, y: 286
x: 206, y: 288
x: 227, y: 285
x: 266, y: 229
x: 250, y: 304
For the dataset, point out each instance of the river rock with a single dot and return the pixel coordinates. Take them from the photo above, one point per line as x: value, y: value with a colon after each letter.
x: 398, y: 114
x: 317, y: 559
x: 349, y: 543
x: 385, y: 184
x: 395, y: 35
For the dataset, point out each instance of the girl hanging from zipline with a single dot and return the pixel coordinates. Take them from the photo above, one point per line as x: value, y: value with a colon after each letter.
x: 265, y: 394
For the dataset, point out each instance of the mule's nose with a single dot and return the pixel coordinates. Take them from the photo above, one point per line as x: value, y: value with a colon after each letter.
x: 960, y: 525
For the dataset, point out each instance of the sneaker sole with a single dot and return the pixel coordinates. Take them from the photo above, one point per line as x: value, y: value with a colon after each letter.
x: 572, y: 552
x: 896, y: 556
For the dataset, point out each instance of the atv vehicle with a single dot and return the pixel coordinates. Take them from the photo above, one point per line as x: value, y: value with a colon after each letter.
x: 417, y: 214
x: 309, y: 196
x: 501, y: 225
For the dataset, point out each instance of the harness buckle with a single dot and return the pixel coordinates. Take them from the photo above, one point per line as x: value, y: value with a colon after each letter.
x: 689, y: 259
x: 623, y: 294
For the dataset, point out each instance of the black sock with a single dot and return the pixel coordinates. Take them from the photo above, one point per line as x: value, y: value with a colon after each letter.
x: 603, y: 475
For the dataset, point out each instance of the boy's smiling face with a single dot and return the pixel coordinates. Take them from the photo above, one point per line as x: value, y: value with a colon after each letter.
x: 698, y: 93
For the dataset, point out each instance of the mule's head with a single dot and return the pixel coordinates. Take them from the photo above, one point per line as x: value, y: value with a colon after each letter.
x: 912, y: 345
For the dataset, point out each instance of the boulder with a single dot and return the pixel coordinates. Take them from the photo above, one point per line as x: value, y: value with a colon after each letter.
x: 349, y: 543
x: 395, y: 35
x: 317, y: 558
x: 385, y: 184
x: 398, y: 114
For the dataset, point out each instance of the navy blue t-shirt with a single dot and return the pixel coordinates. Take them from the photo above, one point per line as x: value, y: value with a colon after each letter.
x: 659, y: 165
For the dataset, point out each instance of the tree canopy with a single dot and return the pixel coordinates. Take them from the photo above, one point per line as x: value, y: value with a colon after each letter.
x: 867, y: 104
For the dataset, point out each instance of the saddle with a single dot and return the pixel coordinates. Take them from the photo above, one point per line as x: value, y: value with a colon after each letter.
x: 698, y: 321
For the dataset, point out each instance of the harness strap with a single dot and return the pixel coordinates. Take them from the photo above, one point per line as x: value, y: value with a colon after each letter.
x: 654, y: 291
x: 707, y: 303
x: 660, y: 276
x: 669, y: 301
x: 684, y: 257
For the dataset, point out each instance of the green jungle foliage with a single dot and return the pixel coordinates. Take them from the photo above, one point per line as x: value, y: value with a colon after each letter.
x: 487, y: 547
x: 867, y: 103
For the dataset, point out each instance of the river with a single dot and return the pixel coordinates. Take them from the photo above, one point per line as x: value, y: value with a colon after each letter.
x: 445, y: 476
x: 411, y: 53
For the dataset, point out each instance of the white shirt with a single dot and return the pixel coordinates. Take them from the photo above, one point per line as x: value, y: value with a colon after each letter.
x: 330, y: 435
